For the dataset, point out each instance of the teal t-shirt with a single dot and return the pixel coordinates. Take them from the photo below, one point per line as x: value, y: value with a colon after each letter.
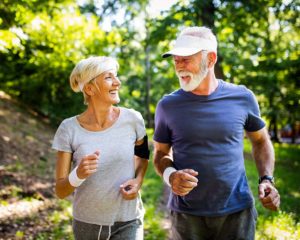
x: 206, y: 134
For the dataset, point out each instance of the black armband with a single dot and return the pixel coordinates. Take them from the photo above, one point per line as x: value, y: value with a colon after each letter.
x: 142, y: 150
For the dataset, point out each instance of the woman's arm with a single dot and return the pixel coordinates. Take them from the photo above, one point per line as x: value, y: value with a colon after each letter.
x: 63, y: 188
x: 87, y: 166
x: 141, y: 164
x: 130, y: 188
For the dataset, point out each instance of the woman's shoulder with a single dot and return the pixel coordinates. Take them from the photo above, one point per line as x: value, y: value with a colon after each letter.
x: 68, y: 122
x: 131, y: 113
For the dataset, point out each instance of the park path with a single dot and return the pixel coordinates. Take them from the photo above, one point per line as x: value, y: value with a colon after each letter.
x: 166, y: 223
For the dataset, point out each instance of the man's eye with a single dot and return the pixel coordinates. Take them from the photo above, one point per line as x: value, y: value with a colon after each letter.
x: 108, y: 78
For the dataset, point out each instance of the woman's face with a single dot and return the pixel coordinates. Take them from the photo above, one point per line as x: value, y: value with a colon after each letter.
x: 107, y: 87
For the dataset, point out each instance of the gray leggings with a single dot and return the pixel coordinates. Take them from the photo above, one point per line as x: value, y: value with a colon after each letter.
x: 239, y: 225
x: 131, y: 230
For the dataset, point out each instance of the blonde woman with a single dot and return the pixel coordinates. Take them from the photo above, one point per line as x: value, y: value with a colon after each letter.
x: 107, y: 145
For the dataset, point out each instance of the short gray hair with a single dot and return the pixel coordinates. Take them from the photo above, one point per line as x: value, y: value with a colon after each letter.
x: 88, y: 69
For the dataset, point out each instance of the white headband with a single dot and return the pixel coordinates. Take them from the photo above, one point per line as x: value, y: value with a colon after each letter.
x: 108, y: 64
x: 187, y: 45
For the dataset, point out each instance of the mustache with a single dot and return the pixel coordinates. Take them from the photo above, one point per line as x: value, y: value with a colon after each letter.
x: 184, y: 73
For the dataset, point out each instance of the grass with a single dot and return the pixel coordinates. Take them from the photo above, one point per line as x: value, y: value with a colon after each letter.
x: 61, y: 219
x: 151, y: 194
x: 285, y: 223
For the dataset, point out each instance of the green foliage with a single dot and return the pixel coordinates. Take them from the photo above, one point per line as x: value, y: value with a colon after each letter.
x: 41, y: 41
x: 282, y: 226
x: 259, y: 48
x: 19, y: 234
x: 62, y: 222
x: 40, y: 55
x: 151, y: 195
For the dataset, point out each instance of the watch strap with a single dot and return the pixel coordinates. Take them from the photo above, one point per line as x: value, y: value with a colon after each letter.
x: 266, y: 177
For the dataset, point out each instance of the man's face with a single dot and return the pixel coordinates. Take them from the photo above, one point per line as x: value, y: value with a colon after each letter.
x: 191, y: 70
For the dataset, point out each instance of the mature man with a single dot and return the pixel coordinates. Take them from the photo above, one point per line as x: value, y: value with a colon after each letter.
x: 199, y: 132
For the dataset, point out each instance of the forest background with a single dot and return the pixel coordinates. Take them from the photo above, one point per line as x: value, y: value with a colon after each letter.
x: 41, y: 41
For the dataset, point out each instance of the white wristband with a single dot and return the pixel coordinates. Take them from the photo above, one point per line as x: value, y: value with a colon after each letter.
x: 166, y: 175
x: 74, y: 180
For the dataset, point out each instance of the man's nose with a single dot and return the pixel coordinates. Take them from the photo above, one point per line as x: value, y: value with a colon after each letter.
x: 179, y: 66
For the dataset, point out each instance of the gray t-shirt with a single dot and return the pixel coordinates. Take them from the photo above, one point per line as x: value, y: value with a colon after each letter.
x: 98, y: 199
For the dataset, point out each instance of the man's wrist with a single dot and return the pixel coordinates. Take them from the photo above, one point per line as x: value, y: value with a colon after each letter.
x: 74, y: 180
x: 266, y: 178
x: 166, y: 175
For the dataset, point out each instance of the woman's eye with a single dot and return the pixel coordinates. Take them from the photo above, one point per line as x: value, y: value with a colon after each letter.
x: 108, y: 78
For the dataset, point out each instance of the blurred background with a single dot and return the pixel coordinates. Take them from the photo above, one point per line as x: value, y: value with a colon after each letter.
x: 40, y: 43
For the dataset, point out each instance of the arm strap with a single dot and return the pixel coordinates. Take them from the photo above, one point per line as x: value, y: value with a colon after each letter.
x: 142, y: 150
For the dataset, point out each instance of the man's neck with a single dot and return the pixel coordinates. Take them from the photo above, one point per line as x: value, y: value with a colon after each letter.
x: 207, y: 86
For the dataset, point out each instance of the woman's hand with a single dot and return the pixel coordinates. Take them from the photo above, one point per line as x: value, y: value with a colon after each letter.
x: 130, y: 189
x: 88, y: 165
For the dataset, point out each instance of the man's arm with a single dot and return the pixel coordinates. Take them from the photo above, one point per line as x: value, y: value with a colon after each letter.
x: 181, y: 181
x: 162, y: 157
x: 263, y: 153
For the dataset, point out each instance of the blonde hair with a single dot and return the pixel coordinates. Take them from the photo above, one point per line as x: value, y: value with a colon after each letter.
x: 201, y: 32
x: 88, y: 69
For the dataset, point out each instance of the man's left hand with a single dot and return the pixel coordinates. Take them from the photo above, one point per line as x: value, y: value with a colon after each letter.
x: 269, y: 196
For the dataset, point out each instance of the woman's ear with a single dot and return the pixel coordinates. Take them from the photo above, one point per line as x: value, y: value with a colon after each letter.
x: 88, y: 89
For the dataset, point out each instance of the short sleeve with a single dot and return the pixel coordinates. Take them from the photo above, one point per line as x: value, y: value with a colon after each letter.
x: 162, y: 132
x: 62, y: 141
x: 254, y: 121
x: 140, y: 127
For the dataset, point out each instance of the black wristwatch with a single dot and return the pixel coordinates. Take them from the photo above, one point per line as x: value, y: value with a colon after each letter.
x: 266, y: 177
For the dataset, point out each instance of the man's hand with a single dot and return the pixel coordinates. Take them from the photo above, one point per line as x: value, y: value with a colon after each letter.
x: 130, y: 189
x: 183, y: 181
x: 88, y: 165
x: 269, y: 196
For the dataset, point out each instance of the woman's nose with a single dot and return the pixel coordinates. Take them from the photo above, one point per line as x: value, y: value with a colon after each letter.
x: 116, y: 81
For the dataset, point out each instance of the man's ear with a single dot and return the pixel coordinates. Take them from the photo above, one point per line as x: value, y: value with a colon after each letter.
x: 212, y: 59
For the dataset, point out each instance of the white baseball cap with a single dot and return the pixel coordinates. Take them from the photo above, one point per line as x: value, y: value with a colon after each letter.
x: 187, y: 45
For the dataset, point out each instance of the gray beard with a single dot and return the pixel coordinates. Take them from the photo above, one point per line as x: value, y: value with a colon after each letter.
x: 196, y: 79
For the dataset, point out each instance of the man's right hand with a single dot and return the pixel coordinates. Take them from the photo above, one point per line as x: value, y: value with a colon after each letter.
x: 88, y: 165
x: 183, y: 181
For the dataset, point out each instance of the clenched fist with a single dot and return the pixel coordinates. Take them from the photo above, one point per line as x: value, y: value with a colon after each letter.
x: 183, y: 181
x: 88, y: 165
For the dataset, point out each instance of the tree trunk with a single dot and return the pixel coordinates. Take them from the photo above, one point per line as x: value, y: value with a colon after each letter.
x: 148, y: 86
x: 293, y: 140
x: 205, y: 12
x: 274, y: 129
